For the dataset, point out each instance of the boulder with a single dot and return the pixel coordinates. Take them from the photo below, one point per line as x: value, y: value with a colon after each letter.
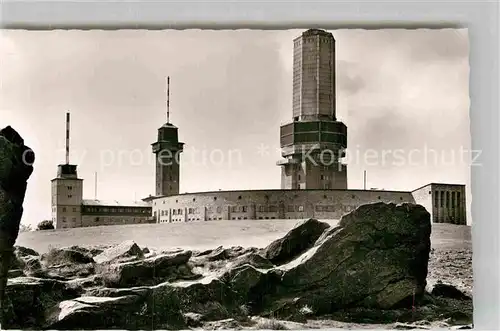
x: 295, y: 242
x: 125, y: 312
x: 150, y: 271
x: 16, y: 162
x: 25, y: 251
x: 254, y: 259
x: 28, y: 298
x: 449, y: 291
x: 125, y: 250
x: 376, y: 257
x: 69, y: 255
x: 222, y: 254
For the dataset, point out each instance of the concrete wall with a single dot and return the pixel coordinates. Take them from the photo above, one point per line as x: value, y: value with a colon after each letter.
x: 423, y: 196
x: 268, y: 204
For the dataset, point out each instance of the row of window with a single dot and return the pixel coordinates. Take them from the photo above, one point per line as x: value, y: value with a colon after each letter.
x: 235, y: 209
x: 298, y: 42
x: 140, y: 210
x: 447, y: 198
x: 63, y: 219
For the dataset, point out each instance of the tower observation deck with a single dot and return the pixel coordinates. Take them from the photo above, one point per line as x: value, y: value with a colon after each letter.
x: 314, y: 142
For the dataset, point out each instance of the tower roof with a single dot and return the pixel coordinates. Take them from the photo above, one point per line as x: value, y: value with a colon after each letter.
x: 317, y: 32
x: 168, y: 125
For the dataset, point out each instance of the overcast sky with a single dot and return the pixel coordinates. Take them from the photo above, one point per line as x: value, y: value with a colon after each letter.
x: 398, y: 91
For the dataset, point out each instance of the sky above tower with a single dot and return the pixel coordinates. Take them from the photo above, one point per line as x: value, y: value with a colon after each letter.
x: 403, y: 95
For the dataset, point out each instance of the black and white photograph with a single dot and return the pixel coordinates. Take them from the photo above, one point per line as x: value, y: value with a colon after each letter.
x: 235, y: 179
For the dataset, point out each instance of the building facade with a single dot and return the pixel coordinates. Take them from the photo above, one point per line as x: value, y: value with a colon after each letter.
x: 268, y: 204
x: 314, y: 142
x: 445, y: 202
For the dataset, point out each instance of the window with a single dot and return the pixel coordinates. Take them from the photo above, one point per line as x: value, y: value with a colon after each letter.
x: 63, y: 219
x: 447, y: 199
x: 436, y: 199
x: 64, y: 209
x: 70, y: 188
x: 70, y: 196
x: 97, y: 219
x: 162, y: 213
x: 219, y: 209
x: 298, y: 177
x: 301, y: 208
x: 458, y: 199
x: 215, y: 198
x: 291, y: 208
x: 441, y: 204
x: 322, y: 177
x: 174, y: 212
x: 239, y: 197
x: 452, y: 199
x: 74, y: 209
x: 273, y: 208
x: 234, y: 209
x: 74, y: 219
x: 244, y: 209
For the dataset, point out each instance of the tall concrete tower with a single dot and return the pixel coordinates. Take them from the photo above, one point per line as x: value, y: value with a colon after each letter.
x: 314, y: 143
x: 168, y: 150
x: 67, y: 192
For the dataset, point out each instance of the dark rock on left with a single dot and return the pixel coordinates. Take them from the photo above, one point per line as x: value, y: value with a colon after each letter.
x: 16, y: 166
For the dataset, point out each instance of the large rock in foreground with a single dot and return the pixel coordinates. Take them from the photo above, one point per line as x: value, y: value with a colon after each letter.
x: 377, y: 258
x: 16, y: 161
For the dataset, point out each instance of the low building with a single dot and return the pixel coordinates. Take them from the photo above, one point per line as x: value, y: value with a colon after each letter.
x: 267, y: 204
x: 70, y: 210
x: 445, y: 202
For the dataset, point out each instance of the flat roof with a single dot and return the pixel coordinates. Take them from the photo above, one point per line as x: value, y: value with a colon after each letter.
x: 114, y: 203
x: 275, y: 190
x: 444, y: 184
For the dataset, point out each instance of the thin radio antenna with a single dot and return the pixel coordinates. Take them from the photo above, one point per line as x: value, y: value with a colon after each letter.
x: 168, y: 99
x: 67, y: 137
x: 95, y: 186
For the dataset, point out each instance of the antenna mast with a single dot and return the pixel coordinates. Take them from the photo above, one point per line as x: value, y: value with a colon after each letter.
x: 168, y: 99
x: 67, y: 137
x: 95, y: 187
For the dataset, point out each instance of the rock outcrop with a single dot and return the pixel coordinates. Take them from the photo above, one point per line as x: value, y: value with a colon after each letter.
x: 16, y: 162
x: 368, y: 268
